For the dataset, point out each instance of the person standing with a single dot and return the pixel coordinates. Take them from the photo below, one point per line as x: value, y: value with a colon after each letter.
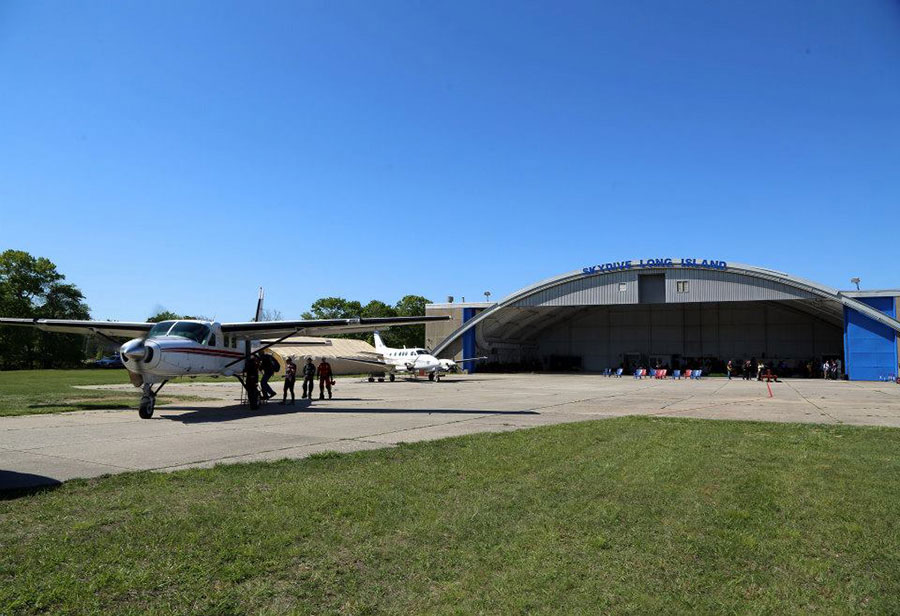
x: 269, y: 367
x: 290, y: 378
x: 309, y: 374
x: 729, y: 367
x: 325, y: 381
x: 251, y: 378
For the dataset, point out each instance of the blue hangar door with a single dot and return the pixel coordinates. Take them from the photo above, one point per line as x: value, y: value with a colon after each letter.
x: 870, y: 348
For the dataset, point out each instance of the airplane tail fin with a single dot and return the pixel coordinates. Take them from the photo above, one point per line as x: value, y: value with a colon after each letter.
x: 259, y: 305
x: 379, y: 343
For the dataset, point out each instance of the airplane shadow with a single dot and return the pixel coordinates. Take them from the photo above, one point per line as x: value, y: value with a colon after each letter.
x: 234, y: 412
x: 14, y: 484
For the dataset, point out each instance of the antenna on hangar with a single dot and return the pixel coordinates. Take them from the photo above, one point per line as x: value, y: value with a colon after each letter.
x: 856, y: 282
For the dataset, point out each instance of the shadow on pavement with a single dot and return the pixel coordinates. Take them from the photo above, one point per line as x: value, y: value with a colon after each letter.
x: 232, y: 413
x: 16, y: 485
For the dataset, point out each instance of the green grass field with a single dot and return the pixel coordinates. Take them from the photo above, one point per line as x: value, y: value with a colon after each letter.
x: 26, y: 392
x: 629, y: 515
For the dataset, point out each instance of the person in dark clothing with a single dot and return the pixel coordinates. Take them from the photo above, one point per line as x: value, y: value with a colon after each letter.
x: 325, y: 381
x: 251, y: 378
x: 269, y: 367
x: 290, y: 377
x: 309, y: 375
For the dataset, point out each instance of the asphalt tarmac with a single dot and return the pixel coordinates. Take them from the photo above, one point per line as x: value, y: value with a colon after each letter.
x: 47, y: 449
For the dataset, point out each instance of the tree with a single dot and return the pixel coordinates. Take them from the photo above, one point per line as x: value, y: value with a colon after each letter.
x: 410, y: 335
x: 271, y: 315
x: 32, y: 288
x: 408, y: 306
x: 165, y: 315
x: 333, y: 308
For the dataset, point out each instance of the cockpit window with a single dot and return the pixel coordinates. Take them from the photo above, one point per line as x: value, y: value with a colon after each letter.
x: 160, y: 329
x: 421, y: 352
x: 192, y: 331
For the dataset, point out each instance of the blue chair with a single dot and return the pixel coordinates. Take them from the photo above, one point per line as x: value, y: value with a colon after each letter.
x: 676, y: 374
x: 697, y: 374
x: 619, y: 373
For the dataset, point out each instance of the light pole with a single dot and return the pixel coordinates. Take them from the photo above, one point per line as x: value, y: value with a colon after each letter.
x: 856, y: 282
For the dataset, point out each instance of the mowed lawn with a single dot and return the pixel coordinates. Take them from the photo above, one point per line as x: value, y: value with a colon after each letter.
x: 26, y: 392
x: 628, y: 515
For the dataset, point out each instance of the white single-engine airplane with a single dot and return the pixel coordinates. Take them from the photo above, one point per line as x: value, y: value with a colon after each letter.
x: 159, y: 352
x: 413, y: 361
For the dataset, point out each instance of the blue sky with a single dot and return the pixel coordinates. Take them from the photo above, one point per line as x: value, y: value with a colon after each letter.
x: 180, y: 154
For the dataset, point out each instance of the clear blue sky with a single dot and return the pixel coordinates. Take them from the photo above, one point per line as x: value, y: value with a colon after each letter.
x: 180, y: 154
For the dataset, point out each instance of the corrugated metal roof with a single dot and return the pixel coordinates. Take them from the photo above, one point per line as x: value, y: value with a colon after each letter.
x: 340, y: 353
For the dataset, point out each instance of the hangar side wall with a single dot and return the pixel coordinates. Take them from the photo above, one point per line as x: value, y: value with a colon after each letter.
x: 870, y: 347
x: 604, y: 337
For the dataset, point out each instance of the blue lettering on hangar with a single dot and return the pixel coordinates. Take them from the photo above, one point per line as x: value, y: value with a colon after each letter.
x: 617, y: 266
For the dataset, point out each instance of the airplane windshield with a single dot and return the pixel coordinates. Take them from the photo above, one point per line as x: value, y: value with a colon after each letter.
x: 192, y: 331
x: 421, y: 352
x: 160, y: 329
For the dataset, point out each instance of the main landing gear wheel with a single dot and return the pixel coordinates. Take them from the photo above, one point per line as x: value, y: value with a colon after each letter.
x: 431, y: 376
x: 148, y: 402
x: 391, y: 377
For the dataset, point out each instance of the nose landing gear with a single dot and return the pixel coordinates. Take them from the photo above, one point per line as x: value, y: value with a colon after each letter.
x: 148, y: 400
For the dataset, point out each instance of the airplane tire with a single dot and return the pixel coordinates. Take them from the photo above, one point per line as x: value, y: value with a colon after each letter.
x: 371, y: 379
x: 145, y: 410
x: 391, y: 377
x: 431, y: 376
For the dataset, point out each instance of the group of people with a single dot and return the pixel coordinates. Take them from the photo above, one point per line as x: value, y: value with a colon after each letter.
x: 751, y: 368
x: 831, y: 369
x: 268, y: 366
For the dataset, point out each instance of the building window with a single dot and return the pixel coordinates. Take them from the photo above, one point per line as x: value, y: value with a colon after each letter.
x: 681, y: 286
x: 622, y: 287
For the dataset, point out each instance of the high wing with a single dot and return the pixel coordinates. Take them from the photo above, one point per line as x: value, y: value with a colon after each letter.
x: 319, y: 327
x: 113, y: 329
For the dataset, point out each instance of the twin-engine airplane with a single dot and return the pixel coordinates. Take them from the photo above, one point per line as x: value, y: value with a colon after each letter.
x: 413, y: 361
x: 159, y: 352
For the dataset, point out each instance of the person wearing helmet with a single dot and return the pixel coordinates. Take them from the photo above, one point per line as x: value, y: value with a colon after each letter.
x: 309, y: 374
x: 290, y: 377
x: 325, y: 378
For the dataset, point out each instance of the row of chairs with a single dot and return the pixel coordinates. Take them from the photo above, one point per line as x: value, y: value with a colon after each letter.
x: 663, y: 374
x: 656, y: 374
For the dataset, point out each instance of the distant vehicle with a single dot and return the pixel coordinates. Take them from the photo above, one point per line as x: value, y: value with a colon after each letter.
x: 113, y: 361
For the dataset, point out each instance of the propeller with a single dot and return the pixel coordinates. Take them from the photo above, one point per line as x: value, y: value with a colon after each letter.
x: 139, y: 352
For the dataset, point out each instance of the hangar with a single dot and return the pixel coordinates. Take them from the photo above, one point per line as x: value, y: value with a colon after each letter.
x: 677, y: 313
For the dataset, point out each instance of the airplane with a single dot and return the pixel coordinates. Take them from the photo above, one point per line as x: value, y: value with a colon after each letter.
x: 415, y: 360
x: 159, y: 352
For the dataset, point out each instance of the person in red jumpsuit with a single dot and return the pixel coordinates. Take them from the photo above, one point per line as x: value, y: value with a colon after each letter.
x: 325, y: 379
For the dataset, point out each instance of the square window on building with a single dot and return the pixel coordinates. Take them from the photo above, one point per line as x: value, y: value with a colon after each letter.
x: 681, y: 286
x: 622, y: 287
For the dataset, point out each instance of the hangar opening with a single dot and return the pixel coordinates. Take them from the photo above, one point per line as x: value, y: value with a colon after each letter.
x: 676, y: 314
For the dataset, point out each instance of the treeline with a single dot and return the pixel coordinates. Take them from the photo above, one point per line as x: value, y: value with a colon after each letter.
x: 407, y: 306
x: 31, y: 287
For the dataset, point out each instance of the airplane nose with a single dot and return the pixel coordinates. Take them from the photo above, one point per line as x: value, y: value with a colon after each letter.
x: 134, y: 349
